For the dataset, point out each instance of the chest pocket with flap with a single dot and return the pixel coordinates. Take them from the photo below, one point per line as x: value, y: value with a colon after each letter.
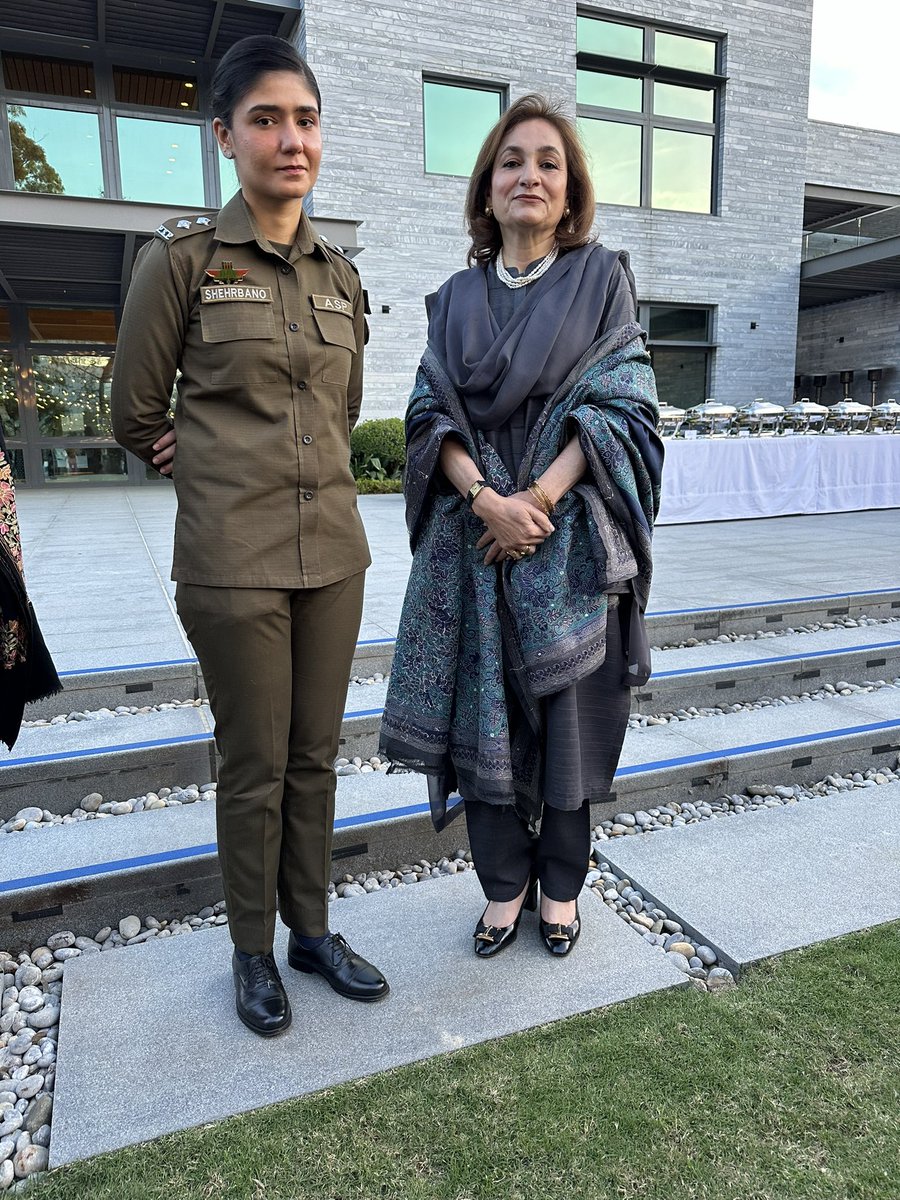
x: 335, y: 328
x: 232, y: 321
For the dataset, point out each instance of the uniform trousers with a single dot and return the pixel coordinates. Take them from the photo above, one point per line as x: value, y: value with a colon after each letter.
x: 276, y: 663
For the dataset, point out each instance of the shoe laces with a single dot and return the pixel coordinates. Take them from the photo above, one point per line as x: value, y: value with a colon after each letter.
x: 339, y: 949
x: 262, y: 972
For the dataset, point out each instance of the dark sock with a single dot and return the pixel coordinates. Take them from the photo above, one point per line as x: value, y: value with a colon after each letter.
x: 311, y: 943
x: 242, y: 956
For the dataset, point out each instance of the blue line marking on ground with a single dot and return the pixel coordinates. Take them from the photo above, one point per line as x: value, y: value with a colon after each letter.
x: 107, y: 868
x: 677, y: 612
x: 763, y: 662
x: 730, y: 751
x: 97, y: 751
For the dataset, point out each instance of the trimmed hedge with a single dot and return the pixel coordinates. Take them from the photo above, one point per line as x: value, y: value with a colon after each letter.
x: 378, y: 449
x: 379, y: 487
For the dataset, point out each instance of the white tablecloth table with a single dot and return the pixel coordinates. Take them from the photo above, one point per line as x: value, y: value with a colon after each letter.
x: 730, y: 479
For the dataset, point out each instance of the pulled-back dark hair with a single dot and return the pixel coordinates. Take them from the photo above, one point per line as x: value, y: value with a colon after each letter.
x: 242, y: 65
x: 572, y: 231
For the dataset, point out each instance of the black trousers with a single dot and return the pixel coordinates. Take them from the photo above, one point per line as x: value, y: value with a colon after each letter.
x: 505, y: 853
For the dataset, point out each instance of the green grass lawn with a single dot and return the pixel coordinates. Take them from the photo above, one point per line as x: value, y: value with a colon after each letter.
x: 787, y: 1088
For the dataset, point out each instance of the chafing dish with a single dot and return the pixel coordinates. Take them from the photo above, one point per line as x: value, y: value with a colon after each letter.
x: 848, y: 417
x: 885, y: 417
x: 670, y: 419
x: 709, y: 419
x: 804, y: 417
x: 759, y: 417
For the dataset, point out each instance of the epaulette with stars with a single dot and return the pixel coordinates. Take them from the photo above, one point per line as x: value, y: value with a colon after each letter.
x: 180, y: 227
x: 333, y: 247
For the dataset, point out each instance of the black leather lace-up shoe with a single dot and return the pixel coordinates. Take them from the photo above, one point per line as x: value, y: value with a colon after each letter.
x: 262, y: 1002
x: 346, y: 972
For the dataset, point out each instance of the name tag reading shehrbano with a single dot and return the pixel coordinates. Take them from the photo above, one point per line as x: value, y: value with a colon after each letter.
x: 235, y: 291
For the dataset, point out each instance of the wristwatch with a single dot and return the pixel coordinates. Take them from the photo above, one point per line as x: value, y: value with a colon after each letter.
x: 478, y: 486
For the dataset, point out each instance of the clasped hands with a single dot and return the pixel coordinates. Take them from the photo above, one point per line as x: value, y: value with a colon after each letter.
x: 516, y: 525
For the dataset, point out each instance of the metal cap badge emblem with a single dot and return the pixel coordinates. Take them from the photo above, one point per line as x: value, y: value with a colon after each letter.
x: 228, y: 274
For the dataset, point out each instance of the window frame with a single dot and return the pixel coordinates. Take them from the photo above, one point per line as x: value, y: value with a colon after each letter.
x: 708, y: 347
x: 105, y: 105
x: 650, y: 72
x: 458, y: 81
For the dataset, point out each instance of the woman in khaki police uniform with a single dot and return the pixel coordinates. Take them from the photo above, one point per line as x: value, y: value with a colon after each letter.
x: 265, y: 324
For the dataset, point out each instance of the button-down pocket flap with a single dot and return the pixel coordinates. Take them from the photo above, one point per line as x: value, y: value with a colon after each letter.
x: 336, y: 328
x: 236, y: 321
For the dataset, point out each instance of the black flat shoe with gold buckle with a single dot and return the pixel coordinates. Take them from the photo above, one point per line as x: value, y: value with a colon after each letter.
x: 491, y: 939
x: 560, y: 939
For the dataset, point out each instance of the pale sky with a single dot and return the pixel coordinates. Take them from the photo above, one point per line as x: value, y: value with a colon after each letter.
x: 855, y: 76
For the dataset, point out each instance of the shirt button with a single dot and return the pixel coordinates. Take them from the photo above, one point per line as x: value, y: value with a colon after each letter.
x: 307, y: 440
x: 307, y: 495
x: 301, y: 384
x: 285, y: 270
x: 293, y: 327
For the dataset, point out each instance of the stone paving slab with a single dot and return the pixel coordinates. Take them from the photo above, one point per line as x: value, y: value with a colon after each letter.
x: 753, y: 886
x: 187, y: 1059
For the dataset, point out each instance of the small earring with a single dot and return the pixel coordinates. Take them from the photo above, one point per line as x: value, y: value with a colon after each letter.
x: 567, y: 212
x: 228, y: 154
x: 489, y: 212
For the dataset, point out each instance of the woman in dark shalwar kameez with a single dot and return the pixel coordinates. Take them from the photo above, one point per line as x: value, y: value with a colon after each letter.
x: 532, y: 484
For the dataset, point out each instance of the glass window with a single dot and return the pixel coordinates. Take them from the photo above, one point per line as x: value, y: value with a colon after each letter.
x: 228, y: 178
x: 16, y: 460
x: 682, y: 171
x: 84, y: 462
x: 93, y: 327
x: 690, y: 104
x: 610, y: 91
x: 690, y: 54
x: 55, y: 150
x: 72, y: 394
x: 610, y: 38
x: 457, y: 120
x: 681, y: 375
x: 9, y: 404
x: 48, y: 76
x: 614, y: 152
x: 155, y: 89
x: 671, y: 323
x: 160, y: 161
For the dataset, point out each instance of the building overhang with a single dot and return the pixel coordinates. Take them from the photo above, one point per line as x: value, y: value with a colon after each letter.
x: 850, y: 274
x: 199, y: 30
x: 67, y: 250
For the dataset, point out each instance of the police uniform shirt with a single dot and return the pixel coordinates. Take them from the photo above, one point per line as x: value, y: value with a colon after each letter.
x: 270, y: 351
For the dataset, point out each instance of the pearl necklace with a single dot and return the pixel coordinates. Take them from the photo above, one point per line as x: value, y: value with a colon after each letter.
x: 519, y: 281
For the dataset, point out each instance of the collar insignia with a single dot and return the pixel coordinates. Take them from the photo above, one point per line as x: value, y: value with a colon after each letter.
x: 228, y: 274
x: 203, y: 220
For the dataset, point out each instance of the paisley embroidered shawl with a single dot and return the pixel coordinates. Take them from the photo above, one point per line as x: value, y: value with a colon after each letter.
x: 469, y: 631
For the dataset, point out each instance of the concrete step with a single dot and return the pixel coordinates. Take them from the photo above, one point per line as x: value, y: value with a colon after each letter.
x: 172, y: 1074
x: 165, y: 862
x: 757, y: 886
x: 174, y: 679
x: 126, y: 756
x: 180, y: 679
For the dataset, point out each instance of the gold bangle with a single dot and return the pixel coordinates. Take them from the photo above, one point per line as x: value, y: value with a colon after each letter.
x: 541, y: 496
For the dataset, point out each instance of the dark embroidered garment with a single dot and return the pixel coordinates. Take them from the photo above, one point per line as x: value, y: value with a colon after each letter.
x: 470, y: 633
x: 26, y: 669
